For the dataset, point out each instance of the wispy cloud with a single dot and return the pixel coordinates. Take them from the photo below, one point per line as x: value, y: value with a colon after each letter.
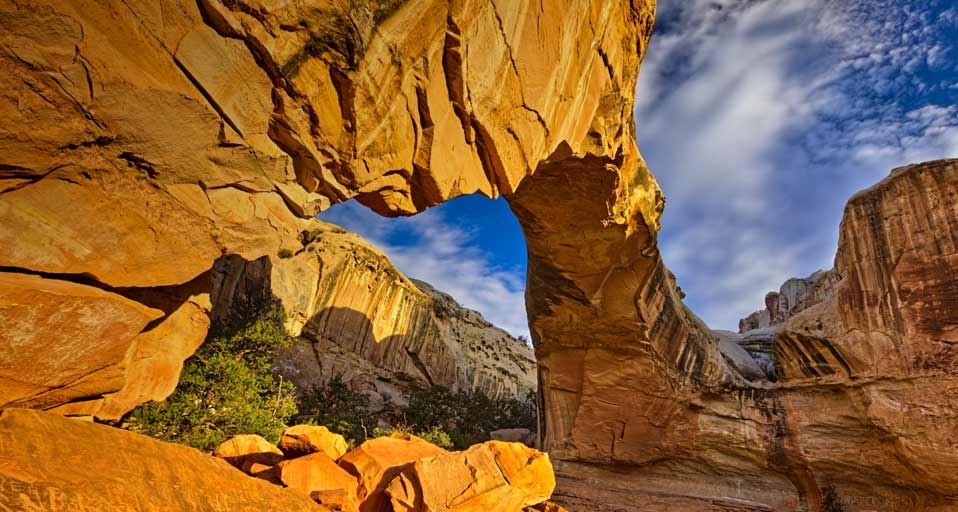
x: 440, y: 251
x: 760, y: 118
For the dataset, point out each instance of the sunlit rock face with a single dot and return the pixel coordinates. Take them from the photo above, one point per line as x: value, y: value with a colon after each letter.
x: 56, y: 463
x: 360, y: 319
x: 142, y: 141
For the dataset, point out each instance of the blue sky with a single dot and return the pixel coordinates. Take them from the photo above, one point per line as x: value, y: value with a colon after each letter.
x: 759, y: 119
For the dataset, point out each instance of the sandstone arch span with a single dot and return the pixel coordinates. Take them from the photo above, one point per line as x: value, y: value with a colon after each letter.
x: 142, y: 140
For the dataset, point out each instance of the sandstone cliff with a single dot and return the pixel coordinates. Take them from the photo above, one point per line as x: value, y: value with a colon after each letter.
x: 361, y: 319
x: 795, y: 296
x: 142, y: 141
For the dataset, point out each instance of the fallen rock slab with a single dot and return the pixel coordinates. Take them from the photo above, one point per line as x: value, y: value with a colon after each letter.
x: 48, y: 462
x: 491, y: 477
x: 377, y: 461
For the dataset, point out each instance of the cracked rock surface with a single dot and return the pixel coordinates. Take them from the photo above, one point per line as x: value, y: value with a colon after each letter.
x: 141, y: 141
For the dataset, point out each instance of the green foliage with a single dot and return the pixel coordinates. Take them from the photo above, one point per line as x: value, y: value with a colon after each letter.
x: 338, y: 408
x: 435, y: 435
x: 226, y: 388
x: 467, y: 417
x: 446, y: 419
x: 285, y: 253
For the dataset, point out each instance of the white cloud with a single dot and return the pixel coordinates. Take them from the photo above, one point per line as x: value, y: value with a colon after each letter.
x: 436, y: 250
x: 760, y: 118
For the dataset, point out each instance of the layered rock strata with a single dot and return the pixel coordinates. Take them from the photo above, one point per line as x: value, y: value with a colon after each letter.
x: 140, y: 142
x: 48, y: 462
x: 362, y: 320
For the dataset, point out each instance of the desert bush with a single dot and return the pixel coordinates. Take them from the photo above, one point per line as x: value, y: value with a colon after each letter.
x: 338, y: 408
x: 467, y: 417
x: 435, y: 435
x: 226, y: 388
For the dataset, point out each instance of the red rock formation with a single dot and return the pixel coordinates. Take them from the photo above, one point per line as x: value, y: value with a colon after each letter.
x: 140, y: 142
x: 48, y: 462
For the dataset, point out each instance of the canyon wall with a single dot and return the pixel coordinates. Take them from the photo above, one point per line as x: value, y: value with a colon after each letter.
x: 143, y: 141
x: 358, y: 318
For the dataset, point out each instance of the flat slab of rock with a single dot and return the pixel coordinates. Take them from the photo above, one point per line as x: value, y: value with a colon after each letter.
x: 48, y: 462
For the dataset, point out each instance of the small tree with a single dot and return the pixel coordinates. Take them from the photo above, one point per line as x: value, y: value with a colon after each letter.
x: 226, y: 388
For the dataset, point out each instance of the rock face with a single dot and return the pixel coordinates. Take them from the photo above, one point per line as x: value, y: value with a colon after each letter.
x: 175, y: 134
x: 48, y: 462
x: 873, y: 366
x: 361, y: 319
x: 180, y: 133
x: 795, y: 296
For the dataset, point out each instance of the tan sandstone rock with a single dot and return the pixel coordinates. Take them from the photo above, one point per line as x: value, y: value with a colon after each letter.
x: 63, y: 341
x: 141, y: 143
x: 248, y: 448
x: 317, y: 474
x: 377, y: 461
x: 54, y: 463
x: 490, y: 477
x: 364, y: 321
x: 301, y: 440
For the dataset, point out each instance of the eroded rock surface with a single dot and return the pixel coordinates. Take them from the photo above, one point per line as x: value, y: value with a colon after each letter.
x: 141, y: 142
x: 48, y: 462
x: 362, y: 320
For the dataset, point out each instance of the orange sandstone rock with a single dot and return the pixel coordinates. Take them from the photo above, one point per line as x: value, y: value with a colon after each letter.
x: 492, y: 477
x: 242, y: 449
x: 301, y: 440
x: 48, y: 462
x: 317, y: 473
x: 377, y: 461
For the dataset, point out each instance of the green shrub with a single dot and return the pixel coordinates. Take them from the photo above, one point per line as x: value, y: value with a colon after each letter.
x: 338, y: 408
x: 226, y: 388
x: 467, y: 417
x: 435, y: 435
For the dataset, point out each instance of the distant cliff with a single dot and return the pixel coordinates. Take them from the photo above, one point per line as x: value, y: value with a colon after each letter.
x: 362, y: 320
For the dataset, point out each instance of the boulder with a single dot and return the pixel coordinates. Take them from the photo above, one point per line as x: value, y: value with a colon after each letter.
x: 51, y: 463
x: 317, y: 474
x: 491, y: 477
x: 302, y: 440
x: 377, y: 461
x: 247, y: 448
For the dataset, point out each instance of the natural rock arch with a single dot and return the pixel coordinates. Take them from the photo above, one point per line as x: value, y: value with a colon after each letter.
x: 141, y: 141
